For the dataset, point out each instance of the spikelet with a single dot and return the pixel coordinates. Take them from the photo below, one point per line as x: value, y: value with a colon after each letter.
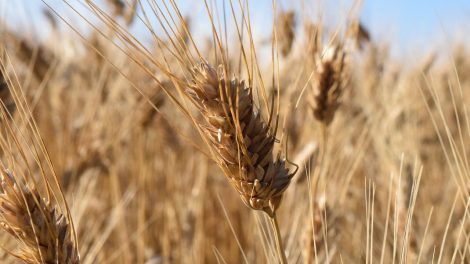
x: 50, y: 18
x: 129, y: 16
x: 359, y: 33
x: 42, y: 231
x: 313, y: 34
x: 328, y: 84
x: 243, y: 143
x: 42, y: 58
x: 183, y: 35
x: 4, y: 93
x: 118, y: 7
x: 6, y: 100
x: 146, y: 111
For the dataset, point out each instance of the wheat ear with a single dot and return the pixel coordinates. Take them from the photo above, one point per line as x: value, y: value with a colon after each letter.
x: 43, y: 233
x: 286, y: 31
x: 328, y: 84
x: 242, y: 141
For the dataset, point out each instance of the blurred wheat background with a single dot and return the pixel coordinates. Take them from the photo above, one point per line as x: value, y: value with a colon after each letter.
x: 234, y: 131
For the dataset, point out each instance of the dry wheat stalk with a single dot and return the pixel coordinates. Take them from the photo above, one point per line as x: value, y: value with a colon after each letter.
x: 42, y: 231
x: 328, y: 84
x: 242, y: 141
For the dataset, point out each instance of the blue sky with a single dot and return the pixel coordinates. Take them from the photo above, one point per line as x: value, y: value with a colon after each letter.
x: 406, y: 23
x: 417, y: 22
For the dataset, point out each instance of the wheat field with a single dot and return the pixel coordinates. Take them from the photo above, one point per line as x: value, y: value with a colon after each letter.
x: 128, y: 134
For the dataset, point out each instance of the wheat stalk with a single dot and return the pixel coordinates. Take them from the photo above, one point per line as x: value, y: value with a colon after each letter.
x: 243, y: 143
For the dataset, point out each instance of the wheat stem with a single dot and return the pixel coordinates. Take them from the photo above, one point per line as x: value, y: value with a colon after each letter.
x: 277, y: 233
x: 314, y: 188
x: 321, y: 157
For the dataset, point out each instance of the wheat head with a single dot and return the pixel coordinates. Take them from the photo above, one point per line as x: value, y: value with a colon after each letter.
x: 42, y: 231
x: 328, y: 84
x: 243, y: 143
